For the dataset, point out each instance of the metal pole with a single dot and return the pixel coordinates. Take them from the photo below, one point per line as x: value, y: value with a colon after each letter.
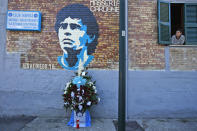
x: 122, y: 68
x: 126, y: 55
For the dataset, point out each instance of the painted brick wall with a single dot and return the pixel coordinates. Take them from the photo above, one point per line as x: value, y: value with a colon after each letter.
x: 182, y: 58
x: 43, y: 47
x: 144, y: 51
x: 151, y: 94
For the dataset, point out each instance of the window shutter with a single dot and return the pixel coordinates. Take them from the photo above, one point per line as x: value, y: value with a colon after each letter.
x: 191, y: 24
x: 164, y: 22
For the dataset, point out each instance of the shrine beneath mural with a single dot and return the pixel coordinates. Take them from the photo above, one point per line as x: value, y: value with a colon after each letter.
x: 77, y: 30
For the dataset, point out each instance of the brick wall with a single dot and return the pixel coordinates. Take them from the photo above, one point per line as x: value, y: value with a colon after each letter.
x: 42, y: 48
x: 144, y: 51
x: 183, y: 58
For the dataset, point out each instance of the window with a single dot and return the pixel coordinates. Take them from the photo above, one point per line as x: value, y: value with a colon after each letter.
x: 173, y: 16
x: 177, y: 18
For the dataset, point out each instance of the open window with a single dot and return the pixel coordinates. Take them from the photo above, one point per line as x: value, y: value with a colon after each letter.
x: 177, y: 17
x: 173, y: 16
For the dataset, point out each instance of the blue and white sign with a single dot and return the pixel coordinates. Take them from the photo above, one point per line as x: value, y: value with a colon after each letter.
x: 24, y: 20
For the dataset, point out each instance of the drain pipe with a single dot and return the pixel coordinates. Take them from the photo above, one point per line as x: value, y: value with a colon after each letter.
x: 3, y: 5
x: 122, y: 68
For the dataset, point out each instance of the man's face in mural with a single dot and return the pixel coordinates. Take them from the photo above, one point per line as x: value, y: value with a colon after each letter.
x: 72, y: 34
x: 77, y: 31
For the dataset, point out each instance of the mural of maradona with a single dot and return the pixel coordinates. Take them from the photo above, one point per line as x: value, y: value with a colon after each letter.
x: 77, y: 31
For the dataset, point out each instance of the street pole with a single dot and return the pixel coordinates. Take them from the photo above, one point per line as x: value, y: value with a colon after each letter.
x: 122, y: 69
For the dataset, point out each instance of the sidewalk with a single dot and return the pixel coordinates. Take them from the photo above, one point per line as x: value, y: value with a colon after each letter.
x: 168, y: 124
x: 59, y: 124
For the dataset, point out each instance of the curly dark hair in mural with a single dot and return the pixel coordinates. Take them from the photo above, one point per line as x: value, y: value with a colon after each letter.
x: 77, y: 31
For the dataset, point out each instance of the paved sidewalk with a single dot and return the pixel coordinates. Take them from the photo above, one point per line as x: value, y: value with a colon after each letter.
x: 168, y: 124
x: 14, y: 123
x: 59, y: 124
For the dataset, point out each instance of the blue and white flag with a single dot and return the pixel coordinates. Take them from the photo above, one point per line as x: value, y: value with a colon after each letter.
x: 84, y: 119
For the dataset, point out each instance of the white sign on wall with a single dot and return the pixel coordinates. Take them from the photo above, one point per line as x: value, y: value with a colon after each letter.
x: 24, y: 20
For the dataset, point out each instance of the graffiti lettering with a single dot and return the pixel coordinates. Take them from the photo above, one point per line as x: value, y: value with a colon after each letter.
x: 38, y: 66
x: 104, y: 5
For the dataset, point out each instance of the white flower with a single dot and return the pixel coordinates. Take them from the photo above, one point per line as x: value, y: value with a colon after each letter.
x: 67, y: 85
x: 94, y: 87
x: 90, y: 83
x: 89, y: 103
x: 78, y: 89
x: 83, y: 73
x: 80, y: 107
x: 80, y: 98
x: 72, y: 94
x: 82, y: 91
x: 99, y: 99
x: 65, y: 91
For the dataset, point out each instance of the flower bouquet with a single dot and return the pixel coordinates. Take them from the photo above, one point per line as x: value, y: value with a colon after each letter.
x: 80, y: 95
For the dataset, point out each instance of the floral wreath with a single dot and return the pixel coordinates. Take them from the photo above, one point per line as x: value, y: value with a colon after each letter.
x: 80, y: 93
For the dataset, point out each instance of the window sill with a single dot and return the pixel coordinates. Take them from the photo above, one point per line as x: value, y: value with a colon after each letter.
x: 183, y: 46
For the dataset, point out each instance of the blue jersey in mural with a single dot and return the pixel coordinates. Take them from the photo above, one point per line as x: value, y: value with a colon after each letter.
x: 77, y: 31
